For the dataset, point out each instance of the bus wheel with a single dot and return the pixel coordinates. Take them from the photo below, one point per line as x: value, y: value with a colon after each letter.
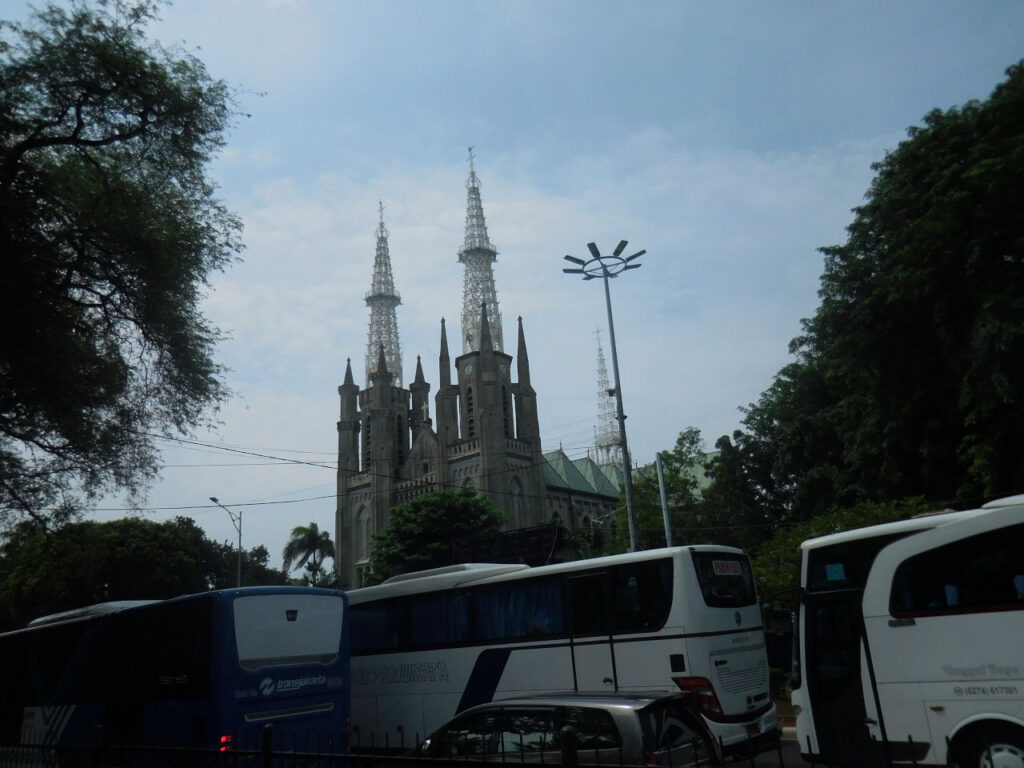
x: 999, y: 747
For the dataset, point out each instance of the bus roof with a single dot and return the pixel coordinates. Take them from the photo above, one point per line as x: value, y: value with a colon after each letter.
x: 917, y: 523
x: 89, y: 611
x: 464, y: 574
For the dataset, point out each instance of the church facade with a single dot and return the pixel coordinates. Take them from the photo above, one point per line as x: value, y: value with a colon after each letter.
x: 485, y: 432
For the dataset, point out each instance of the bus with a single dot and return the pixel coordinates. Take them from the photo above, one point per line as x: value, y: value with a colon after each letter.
x: 204, y: 671
x: 909, y: 644
x: 428, y: 645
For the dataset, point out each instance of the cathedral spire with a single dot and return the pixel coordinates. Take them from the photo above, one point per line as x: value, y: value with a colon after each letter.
x: 479, y: 255
x: 382, y: 299
x: 607, y: 443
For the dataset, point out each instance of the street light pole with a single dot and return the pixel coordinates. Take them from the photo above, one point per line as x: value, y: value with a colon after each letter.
x: 608, y: 267
x: 236, y: 518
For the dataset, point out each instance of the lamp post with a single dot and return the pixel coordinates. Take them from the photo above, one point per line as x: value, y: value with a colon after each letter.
x: 608, y: 267
x: 236, y: 518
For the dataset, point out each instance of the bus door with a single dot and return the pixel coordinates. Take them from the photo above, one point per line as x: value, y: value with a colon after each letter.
x: 590, y: 628
x: 832, y: 674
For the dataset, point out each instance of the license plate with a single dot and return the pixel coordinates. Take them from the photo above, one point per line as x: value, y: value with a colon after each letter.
x: 753, y: 729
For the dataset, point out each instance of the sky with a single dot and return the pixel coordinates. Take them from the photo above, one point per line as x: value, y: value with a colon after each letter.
x: 731, y: 139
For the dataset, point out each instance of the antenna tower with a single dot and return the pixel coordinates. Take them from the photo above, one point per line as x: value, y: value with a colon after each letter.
x: 607, y: 444
x: 479, y: 256
x: 382, y: 299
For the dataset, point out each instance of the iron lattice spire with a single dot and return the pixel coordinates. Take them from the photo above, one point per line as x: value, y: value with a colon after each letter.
x: 382, y: 299
x: 478, y: 287
x: 607, y: 444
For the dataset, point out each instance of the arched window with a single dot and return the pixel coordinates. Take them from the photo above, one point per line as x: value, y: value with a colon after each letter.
x: 470, y: 418
x: 362, y: 534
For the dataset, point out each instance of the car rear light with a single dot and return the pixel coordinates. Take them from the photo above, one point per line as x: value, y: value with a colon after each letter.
x: 227, y: 743
x: 650, y: 759
x: 707, y: 699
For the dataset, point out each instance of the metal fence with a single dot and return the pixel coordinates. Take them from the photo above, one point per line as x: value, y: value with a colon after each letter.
x: 314, y: 751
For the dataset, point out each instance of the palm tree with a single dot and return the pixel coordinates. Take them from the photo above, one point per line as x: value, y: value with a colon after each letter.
x: 308, y: 546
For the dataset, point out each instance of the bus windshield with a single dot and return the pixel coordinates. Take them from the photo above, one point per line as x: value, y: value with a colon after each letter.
x: 275, y: 630
x: 725, y: 579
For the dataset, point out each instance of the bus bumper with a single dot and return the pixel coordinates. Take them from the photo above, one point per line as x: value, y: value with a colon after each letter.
x: 753, y: 738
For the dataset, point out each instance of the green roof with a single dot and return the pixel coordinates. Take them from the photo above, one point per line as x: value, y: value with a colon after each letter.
x: 581, y: 475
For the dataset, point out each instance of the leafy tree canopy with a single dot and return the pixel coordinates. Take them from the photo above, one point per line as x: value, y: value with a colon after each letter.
x: 109, y: 230
x: 309, y: 546
x: 683, y: 467
x: 419, y: 533
x: 44, y: 571
x: 909, y: 378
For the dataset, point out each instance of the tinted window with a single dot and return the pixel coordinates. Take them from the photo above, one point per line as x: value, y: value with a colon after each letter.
x: 595, y: 728
x: 525, y: 730
x: 438, y: 618
x: 589, y: 614
x: 374, y: 626
x: 469, y: 736
x: 643, y: 595
x: 844, y: 566
x: 979, y: 573
x: 520, y: 609
x: 725, y: 579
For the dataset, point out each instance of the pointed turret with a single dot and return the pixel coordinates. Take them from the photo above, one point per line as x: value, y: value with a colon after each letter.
x: 479, y: 255
x: 522, y: 360
x: 446, y: 401
x: 444, y: 359
x: 383, y: 299
x: 419, y: 413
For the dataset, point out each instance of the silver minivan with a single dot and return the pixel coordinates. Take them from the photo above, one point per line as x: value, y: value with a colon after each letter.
x: 604, y: 729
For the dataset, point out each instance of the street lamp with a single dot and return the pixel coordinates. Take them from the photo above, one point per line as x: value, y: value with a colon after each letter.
x: 236, y: 518
x: 607, y: 267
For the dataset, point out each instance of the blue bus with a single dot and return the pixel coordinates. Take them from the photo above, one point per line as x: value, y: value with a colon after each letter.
x: 209, y: 670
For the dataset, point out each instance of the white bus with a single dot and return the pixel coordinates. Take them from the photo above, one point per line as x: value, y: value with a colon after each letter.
x: 911, y: 642
x: 427, y: 645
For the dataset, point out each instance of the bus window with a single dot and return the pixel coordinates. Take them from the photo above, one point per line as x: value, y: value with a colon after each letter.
x: 725, y: 579
x: 643, y: 594
x: 979, y: 573
x: 520, y: 609
x: 439, y: 618
x: 274, y: 630
x: 374, y: 626
x: 589, y: 611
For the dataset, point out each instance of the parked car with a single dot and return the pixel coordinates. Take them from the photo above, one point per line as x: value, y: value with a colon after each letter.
x: 606, y: 729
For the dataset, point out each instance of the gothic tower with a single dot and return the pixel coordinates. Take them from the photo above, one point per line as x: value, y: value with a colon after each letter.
x: 607, y: 442
x: 478, y: 287
x: 383, y: 299
x: 486, y: 434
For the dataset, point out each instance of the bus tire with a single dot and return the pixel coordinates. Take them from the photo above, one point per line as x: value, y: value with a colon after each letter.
x: 997, y: 746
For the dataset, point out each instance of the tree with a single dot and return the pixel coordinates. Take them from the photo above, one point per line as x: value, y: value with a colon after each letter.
x: 43, y: 571
x: 682, y: 469
x: 419, y: 533
x: 308, y: 546
x: 909, y: 378
x: 109, y: 229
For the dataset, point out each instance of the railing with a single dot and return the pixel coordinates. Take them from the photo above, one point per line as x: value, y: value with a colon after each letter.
x: 329, y: 751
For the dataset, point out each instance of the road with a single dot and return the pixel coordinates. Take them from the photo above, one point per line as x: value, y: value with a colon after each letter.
x: 790, y: 757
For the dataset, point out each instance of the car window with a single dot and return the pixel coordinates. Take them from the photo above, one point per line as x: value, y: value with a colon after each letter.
x: 525, y: 730
x: 595, y: 728
x: 470, y: 736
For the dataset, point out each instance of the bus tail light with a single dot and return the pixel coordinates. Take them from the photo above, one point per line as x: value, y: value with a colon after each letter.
x: 707, y: 699
x: 227, y: 743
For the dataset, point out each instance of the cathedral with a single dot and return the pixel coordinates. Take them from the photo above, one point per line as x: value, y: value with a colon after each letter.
x: 485, y: 432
